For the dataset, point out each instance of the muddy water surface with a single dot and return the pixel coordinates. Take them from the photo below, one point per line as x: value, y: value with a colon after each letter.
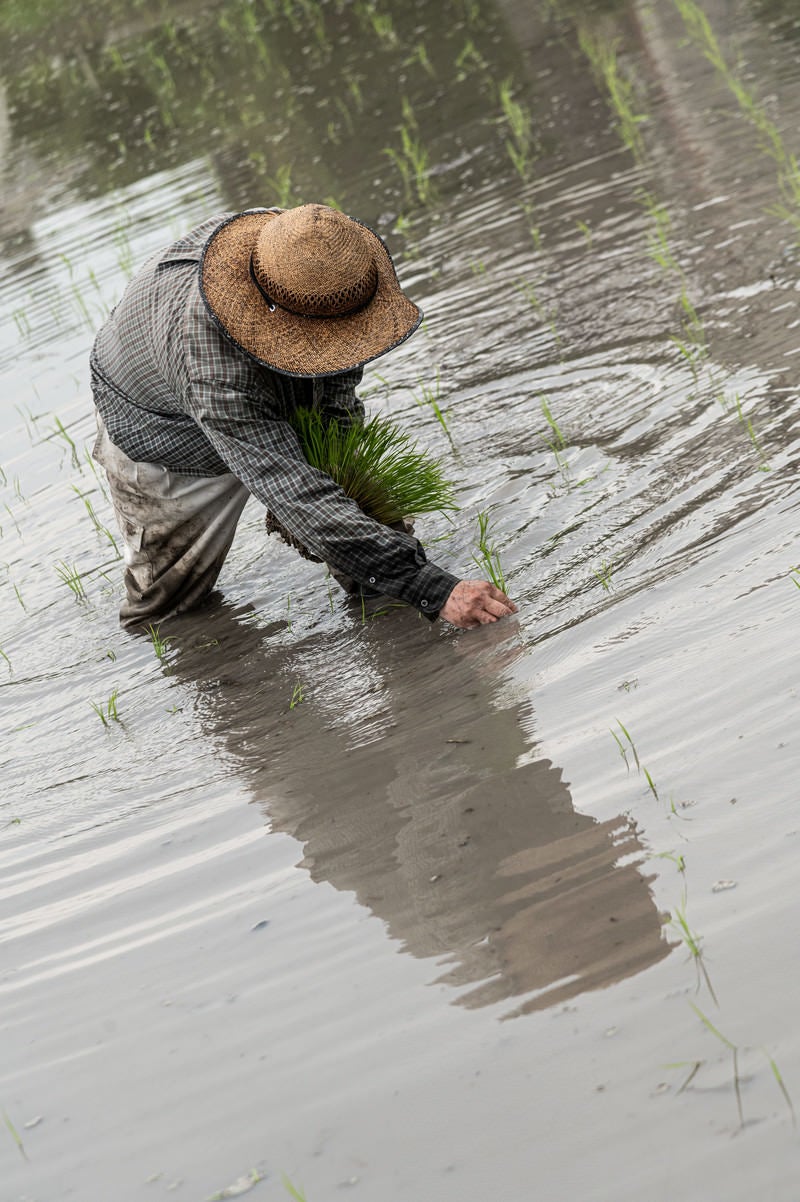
x: 393, y: 910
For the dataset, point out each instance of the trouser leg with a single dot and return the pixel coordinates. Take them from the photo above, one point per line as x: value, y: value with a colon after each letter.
x: 177, y: 531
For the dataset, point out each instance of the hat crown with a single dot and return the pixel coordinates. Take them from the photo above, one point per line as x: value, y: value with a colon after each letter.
x: 315, y: 262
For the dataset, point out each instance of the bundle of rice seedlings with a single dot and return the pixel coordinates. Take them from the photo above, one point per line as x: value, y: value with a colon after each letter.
x: 376, y: 464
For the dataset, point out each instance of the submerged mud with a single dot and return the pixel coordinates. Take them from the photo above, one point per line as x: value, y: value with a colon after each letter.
x: 309, y: 888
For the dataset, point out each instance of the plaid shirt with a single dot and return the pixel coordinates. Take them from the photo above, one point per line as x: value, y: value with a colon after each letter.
x: 173, y: 390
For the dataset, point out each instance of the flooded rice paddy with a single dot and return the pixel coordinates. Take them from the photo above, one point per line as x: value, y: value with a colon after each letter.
x: 339, y: 901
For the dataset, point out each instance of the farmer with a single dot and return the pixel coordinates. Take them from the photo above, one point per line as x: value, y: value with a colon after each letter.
x: 195, y: 373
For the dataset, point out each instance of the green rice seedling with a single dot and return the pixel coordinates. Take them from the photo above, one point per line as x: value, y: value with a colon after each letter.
x: 297, y: 695
x: 98, y: 525
x: 258, y: 160
x: 107, y: 712
x: 650, y: 783
x: 411, y: 160
x: 478, y: 267
x: 469, y: 59
x: 5, y: 657
x: 430, y: 396
x: 281, y: 187
x: 699, y: 29
x: 72, y: 578
x: 781, y: 1085
x: 381, y: 23
x: 292, y: 1190
x: 488, y: 557
x: 354, y: 89
x: 345, y: 114
x: 681, y: 925
x: 15, y: 1135
x: 60, y: 432
x: 533, y: 227
x: 692, y: 344
x: 556, y: 442
x: 673, y: 807
x: 472, y: 12
x: 520, y: 143
x: 734, y: 1050
x: 10, y: 513
x: 19, y: 596
x: 547, y: 314
x: 604, y: 574
x: 28, y: 419
x: 693, y: 1065
x: 658, y: 247
x: 22, y: 323
x: 621, y: 747
x: 385, y: 610
x: 693, y: 325
x: 586, y: 231
x: 748, y: 426
x: 97, y: 475
x: 420, y: 55
x: 602, y: 54
x: 696, y: 1065
x: 242, y: 1185
x: 631, y: 744
x: 794, y: 576
x: 125, y: 259
x: 376, y: 464
x: 160, y: 645
x: 675, y: 858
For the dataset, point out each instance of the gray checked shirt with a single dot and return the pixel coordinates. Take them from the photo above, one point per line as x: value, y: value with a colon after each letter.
x: 173, y: 390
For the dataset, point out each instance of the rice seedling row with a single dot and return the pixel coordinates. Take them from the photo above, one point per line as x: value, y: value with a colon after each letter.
x: 487, y: 558
x: 701, y: 33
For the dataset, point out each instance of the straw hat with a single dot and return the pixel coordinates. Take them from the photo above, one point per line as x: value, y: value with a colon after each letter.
x: 307, y: 291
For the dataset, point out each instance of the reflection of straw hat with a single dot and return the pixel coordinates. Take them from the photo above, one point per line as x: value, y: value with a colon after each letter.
x: 308, y: 291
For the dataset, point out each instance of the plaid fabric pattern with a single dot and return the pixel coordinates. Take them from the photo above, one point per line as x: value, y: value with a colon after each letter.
x: 173, y: 390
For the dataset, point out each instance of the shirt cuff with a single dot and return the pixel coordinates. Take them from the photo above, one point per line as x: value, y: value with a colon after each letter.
x: 428, y: 590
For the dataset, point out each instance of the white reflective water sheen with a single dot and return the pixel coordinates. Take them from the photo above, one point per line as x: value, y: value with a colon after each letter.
x: 391, y: 909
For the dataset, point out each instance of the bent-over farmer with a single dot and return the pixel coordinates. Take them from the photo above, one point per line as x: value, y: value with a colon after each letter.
x: 213, y: 345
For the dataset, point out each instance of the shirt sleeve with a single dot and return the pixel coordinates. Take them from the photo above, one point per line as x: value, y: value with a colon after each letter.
x: 262, y: 449
x: 338, y: 397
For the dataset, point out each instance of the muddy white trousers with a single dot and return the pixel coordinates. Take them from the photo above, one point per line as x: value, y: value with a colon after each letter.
x: 177, y: 531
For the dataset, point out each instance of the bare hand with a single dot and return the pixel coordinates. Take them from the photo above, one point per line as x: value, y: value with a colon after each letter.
x: 474, y: 603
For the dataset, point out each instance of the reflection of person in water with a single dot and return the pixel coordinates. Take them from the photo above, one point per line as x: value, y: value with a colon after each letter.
x: 426, y: 805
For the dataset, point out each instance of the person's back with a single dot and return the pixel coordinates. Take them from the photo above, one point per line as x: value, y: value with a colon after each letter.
x: 196, y: 374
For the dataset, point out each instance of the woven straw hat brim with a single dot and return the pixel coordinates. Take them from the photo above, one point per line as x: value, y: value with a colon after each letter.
x: 290, y: 343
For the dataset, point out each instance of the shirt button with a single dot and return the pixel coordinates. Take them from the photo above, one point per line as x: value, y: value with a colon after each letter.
x: 424, y: 604
x: 372, y: 579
